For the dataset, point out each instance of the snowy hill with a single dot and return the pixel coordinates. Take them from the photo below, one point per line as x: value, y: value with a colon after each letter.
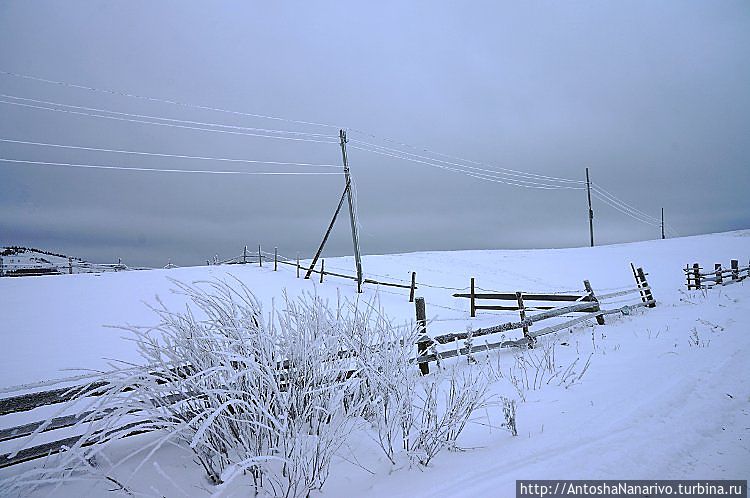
x: 664, y: 393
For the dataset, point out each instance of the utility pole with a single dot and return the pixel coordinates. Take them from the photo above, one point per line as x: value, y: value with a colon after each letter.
x: 352, y: 217
x: 591, y: 211
x: 662, y: 223
x: 352, y: 213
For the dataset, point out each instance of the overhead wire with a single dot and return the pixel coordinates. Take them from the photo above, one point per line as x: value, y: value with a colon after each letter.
x: 173, y: 120
x: 163, y: 170
x: 630, y: 207
x: 157, y: 154
x: 498, y: 170
x: 163, y: 101
x: 172, y: 125
x: 494, y: 174
x: 480, y: 176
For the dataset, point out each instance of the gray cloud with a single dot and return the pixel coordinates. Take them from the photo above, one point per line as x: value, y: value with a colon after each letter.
x: 651, y: 96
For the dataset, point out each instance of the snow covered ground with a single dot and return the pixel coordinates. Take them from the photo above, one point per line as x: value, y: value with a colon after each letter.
x: 665, y: 395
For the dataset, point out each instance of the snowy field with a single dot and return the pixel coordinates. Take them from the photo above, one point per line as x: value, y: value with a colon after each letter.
x: 665, y: 395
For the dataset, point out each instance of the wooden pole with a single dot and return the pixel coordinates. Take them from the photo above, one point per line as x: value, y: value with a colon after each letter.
x: 275, y: 258
x: 696, y: 276
x: 328, y: 232
x: 648, y: 296
x: 322, y: 269
x: 717, y: 269
x: 352, y: 212
x: 591, y: 211
x: 522, y: 313
x: 244, y: 255
x: 297, y: 265
x: 687, y: 277
x: 587, y: 286
x: 422, y: 340
x: 2, y: 271
x: 735, y: 265
x: 662, y: 224
x: 473, y: 307
x: 413, y: 286
x: 260, y: 257
x: 70, y: 266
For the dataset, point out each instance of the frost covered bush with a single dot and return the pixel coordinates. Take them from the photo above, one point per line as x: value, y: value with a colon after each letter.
x: 247, y: 393
x: 419, y: 416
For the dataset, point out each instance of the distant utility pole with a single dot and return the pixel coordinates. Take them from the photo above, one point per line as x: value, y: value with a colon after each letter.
x: 352, y: 218
x: 662, y: 223
x: 591, y: 211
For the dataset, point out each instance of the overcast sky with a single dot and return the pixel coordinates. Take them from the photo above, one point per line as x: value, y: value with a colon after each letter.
x: 651, y: 96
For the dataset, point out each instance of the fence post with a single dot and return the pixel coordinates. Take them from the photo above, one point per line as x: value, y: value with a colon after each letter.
x: 413, y: 286
x: 472, y: 302
x: 717, y: 270
x: 648, y: 296
x: 275, y: 258
x: 587, y: 286
x: 70, y: 266
x: 297, y: 265
x: 322, y: 269
x: 687, y: 277
x: 735, y: 269
x: 696, y: 276
x: 522, y: 313
x: 244, y: 255
x: 423, y: 341
x: 2, y: 271
x: 260, y: 257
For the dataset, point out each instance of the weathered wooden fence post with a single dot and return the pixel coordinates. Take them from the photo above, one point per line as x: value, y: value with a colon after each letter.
x: 260, y: 257
x: 648, y: 296
x: 522, y: 313
x: 735, y: 265
x: 297, y: 265
x: 244, y: 255
x: 587, y: 286
x: 275, y: 258
x: 2, y: 271
x: 322, y: 269
x: 472, y: 302
x: 696, y: 276
x: 423, y: 341
x: 688, y: 277
x: 717, y: 271
x: 413, y: 286
x: 70, y: 266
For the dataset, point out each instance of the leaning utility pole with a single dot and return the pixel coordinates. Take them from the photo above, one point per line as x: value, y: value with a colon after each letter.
x: 352, y: 213
x: 352, y: 217
x: 662, y: 223
x: 591, y: 211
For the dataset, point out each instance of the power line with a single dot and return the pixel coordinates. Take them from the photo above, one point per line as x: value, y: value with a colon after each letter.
x: 179, y: 156
x: 629, y: 210
x: 163, y: 101
x: 622, y: 210
x: 498, y: 170
x: 172, y: 125
x: 173, y: 120
x: 163, y: 170
x: 481, y: 176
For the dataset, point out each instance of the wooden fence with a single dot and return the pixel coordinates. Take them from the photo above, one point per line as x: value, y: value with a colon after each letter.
x: 587, y: 303
x: 697, y: 278
x: 276, y: 259
x: 590, y: 305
